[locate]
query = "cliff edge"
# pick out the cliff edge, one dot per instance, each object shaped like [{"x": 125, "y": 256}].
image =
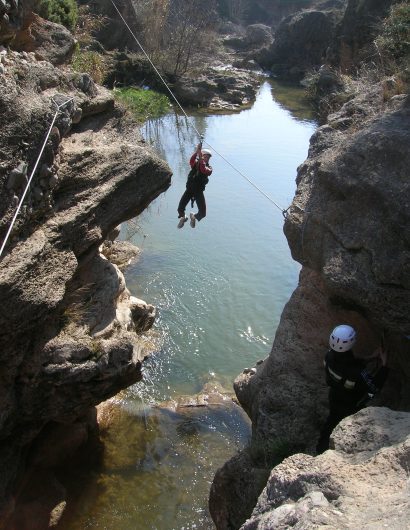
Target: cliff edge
[{"x": 68, "y": 325}]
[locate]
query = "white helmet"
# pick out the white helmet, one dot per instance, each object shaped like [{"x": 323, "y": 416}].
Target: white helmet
[
  {"x": 342, "y": 338},
  {"x": 206, "y": 152}
]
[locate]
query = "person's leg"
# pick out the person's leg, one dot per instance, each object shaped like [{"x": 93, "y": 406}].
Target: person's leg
[
  {"x": 337, "y": 411},
  {"x": 183, "y": 202},
  {"x": 200, "y": 201}
]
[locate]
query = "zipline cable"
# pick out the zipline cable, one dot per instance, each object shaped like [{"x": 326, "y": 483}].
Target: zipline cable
[
  {"x": 284, "y": 211},
  {"x": 155, "y": 68},
  {"x": 59, "y": 107}
]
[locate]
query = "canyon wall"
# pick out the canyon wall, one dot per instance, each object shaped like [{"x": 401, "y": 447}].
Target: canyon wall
[{"x": 69, "y": 326}]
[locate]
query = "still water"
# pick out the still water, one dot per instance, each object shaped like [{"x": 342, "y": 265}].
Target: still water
[{"x": 219, "y": 290}]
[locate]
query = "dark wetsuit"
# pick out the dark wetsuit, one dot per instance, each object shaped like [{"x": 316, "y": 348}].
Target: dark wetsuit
[
  {"x": 350, "y": 385},
  {"x": 195, "y": 186}
]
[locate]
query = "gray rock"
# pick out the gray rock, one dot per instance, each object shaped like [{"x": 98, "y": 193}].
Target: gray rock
[
  {"x": 76, "y": 117},
  {"x": 120, "y": 253},
  {"x": 143, "y": 314},
  {"x": 2, "y": 69},
  {"x": 258, "y": 35},
  {"x": 300, "y": 43},
  {"x": 18, "y": 177},
  {"x": 50, "y": 41},
  {"x": 342, "y": 489},
  {"x": 348, "y": 169},
  {"x": 85, "y": 83},
  {"x": 52, "y": 181}
]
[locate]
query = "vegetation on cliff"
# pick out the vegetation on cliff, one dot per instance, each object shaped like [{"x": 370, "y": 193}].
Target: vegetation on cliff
[
  {"x": 63, "y": 12},
  {"x": 393, "y": 43},
  {"x": 143, "y": 104}
]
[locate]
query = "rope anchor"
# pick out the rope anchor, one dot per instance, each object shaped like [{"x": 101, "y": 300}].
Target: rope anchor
[{"x": 59, "y": 107}]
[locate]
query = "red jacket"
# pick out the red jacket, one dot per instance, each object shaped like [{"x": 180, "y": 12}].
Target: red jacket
[{"x": 203, "y": 168}]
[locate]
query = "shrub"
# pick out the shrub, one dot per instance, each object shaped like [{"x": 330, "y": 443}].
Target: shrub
[
  {"x": 144, "y": 104},
  {"x": 89, "y": 62},
  {"x": 395, "y": 36},
  {"x": 63, "y": 12}
]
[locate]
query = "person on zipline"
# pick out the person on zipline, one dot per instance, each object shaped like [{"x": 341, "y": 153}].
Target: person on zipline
[{"x": 195, "y": 186}]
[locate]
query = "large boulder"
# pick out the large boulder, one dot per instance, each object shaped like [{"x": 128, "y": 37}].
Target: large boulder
[
  {"x": 300, "y": 43},
  {"x": 51, "y": 42},
  {"x": 363, "y": 483},
  {"x": 258, "y": 35}
]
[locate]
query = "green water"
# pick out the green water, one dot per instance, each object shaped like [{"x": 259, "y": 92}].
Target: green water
[{"x": 219, "y": 289}]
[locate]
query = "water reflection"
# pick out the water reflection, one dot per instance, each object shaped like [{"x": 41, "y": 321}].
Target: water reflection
[{"x": 292, "y": 98}]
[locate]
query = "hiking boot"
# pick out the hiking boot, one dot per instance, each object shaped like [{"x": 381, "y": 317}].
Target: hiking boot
[
  {"x": 192, "y": 220},
  {"x": 182, "y": 221}
]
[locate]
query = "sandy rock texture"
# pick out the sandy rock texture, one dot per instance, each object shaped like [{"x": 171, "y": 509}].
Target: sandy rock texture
[
  {"x": 362, "y": 483},
  {"x": 68, "y": 325}
]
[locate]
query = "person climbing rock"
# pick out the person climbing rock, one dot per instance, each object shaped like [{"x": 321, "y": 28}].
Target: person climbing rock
[
  {"x": 195, "y": 186},
  {"x": 351, "y": 383}
]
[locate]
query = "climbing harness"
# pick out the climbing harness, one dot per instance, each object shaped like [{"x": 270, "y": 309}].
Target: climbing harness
[
  {"x": 59, "y": 107},
  {"x": 282, "y": 210}
]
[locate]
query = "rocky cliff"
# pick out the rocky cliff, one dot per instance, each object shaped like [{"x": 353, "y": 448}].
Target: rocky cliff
[
  {"x": 301, "y": 40},
  {"x": 338, "y": 32},
  {"x": 349, "y": 227},
  {"x": 69, "y": 326}
]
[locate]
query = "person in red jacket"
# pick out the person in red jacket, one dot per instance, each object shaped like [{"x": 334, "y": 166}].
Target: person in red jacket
[{"x": 195, "y": 186}]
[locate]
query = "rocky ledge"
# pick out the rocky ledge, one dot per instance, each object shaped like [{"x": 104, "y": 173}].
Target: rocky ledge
[
  {"x": 362, "y": 483},
  {"x": 69, "y": 327}
]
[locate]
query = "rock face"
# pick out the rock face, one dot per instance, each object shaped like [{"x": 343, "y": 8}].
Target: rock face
[
  {"x": 300, "y": 43},
  {"x": 358, "y": 225},
  {"x": 349, "y": 227},
  {"x": 51, "y": 42},
  {"x": 340, "y": 33},
  {"x": 113, "y": 35},
  {"x": 218, "y": 89},
  {"x": 67, "y": 333},
  {"x": 355, "y": 33},
  {"x": 361, "y": 484}
]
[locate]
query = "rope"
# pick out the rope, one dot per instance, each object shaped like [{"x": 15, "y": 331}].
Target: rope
[
  {"x": 284, "y": 211},
  {"x": 156, "y": 70},
  {"x": 32, "y": 174}
]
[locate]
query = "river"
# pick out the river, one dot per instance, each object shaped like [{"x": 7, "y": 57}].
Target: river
[{"x": 219, "y": 289}]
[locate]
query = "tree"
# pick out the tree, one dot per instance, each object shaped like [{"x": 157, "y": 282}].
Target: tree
[{"x": 188, "y": 23}]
